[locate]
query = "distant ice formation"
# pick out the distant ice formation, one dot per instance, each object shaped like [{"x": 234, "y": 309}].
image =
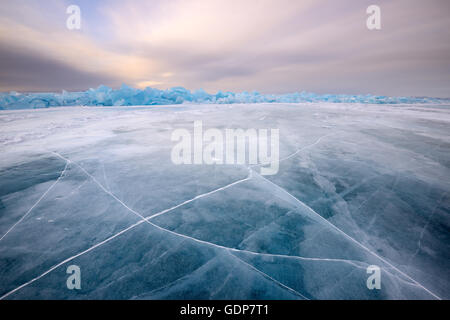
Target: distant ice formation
[{"x": 127, "y": 96}]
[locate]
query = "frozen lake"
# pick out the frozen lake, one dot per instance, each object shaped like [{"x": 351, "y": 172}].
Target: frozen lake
[{"x": 95, "y": 187}]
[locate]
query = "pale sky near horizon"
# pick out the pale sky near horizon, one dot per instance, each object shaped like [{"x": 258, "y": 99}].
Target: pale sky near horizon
[{"x": 282, "y": 46}]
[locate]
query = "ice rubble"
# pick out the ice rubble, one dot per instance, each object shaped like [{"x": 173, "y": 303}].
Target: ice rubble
[{"x": 127, "y": 96}]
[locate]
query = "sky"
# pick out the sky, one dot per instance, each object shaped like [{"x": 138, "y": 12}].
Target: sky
[{"x": 321, "y": 46}]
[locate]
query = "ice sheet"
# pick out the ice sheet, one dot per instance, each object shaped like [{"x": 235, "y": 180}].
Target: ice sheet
[{"x": 358, "y": 185}]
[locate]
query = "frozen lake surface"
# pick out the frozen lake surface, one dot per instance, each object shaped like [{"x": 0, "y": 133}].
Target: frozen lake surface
[{"x": 95, "y": 187}]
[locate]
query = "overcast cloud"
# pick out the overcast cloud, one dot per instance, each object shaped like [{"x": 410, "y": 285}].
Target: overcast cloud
[{"x": 321, "y": 46}]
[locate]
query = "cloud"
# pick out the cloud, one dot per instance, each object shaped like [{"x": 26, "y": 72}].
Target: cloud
[
  {"x": 269, "y": 46},
  {"x": 20, "y": 69}
]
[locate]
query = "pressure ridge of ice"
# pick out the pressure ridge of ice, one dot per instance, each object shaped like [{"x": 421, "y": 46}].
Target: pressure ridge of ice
[{"x": 126, "y": 96}]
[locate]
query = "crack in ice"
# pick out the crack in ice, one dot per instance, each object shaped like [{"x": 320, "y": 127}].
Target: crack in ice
[
  {"x": 143, "y": 219},
  {"x": 422, "y": 233},
  {"x": 38, "y": 201},
  {"x": 146, "y": 219},
  {"x": 292, "y": 154},
  {"x": 305, "y": 147},
  {"x": 271, "y": 279},
  {"x": 350, "y": 238}
]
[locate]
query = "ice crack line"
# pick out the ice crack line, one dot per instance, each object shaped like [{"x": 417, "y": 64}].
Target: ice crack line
[
  {"x": 39, "y": 200},
  {"x": 164, "y": 211},
  {"x": 349, "y": 237},
  {"x": 146, "y": 219},
  {"x": 272, "y": 279},
  {"x": 305, "y": 147},
  {"x": 143, "y": 219},
  {"x": 422, "y": 233},
  {"x": 293, "y": 154}
]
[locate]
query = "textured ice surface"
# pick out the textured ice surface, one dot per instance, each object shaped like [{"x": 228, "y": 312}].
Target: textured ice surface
[
  {"x": 126, "y": 96},
  {"x": 359, "y": 185}
]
